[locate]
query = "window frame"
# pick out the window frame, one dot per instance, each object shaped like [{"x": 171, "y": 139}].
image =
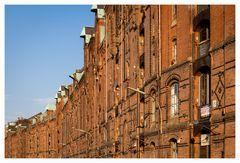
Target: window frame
[
  {"x": 174, "y": 99},
  {"x": 206, "y": 92},
  {"x": 153, "y": 108},
  {"x": 174, "y": 148},
  {"x": 201, "y": 8},
  {"x": 206, "y": 29},
  {"x": 127, "y": 69},
  {"x": 174, "y": 52}
]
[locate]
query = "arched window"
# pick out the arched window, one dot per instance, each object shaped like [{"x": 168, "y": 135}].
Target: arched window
[
  {"x": 174, "y": 148},
  {"x": 174, "y": 99},
  {"x": 153, "y": 148},
  {"x": 153, "y": 108}
]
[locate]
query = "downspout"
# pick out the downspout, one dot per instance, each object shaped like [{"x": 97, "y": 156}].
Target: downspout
[
  {"x": 159, "y": 79},
  {"x": 138, "y": 101},
  {"x": 191, "y": 148},
  {"x": 122, "y": 63},
  {"x": 150, "y": 45},
  {"x": 105, "y": 114},
  {"x": 122, "y": 60},
  {"x": 106, "y": 51},
  {"x": 224, "y": 111}
]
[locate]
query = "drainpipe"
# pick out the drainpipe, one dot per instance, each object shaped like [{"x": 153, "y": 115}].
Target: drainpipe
[
  {"x": 159, "y": 79},
  {"x": 191, "y": 82},
  {"x": 122, "y": 61},
  {"x": 223, "y": 112},
  {"x": 106, "y": 91},
  {"x": 138, "y": 102},
  {"x": 106, "y": 51}
]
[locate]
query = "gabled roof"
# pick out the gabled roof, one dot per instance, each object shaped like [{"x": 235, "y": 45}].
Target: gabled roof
[
  {"x": 35, "y": 115},
  {"x": 87, "y": 33},
  {"x": 95, "y": 7},
  {"x": 50, "y": 107}
]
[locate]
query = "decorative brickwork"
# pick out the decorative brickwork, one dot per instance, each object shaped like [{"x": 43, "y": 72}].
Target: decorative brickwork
[{"x": 158, "y": 82}]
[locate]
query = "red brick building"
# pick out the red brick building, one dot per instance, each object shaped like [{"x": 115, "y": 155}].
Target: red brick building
[{"x": 158, "y": 82}]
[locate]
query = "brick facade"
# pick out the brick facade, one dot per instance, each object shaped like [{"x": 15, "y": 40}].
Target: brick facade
[{"x": 181, "y": 56}]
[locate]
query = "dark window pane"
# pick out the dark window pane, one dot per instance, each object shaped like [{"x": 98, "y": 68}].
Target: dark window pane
[
  {"x": 202, "y": 7},
  {"x": 203, "y": 35},
  {"x": 142, "y": 61},
  {"x": 205, "y": 151}
]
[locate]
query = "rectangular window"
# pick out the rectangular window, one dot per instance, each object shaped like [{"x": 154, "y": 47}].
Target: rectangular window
[
  {"x": 204, "y": 43},
  {"x": 153, "y": 64},
  {"x": 142, "y": 29},
  {"x": 174, "y": 100},
  {"x": 116, "y": 111},
  {"x": 174, "y": 52},
  {"x": 204, "y": 34},
  {"x": 204, "y": 89},
  {"x": 153, "y": 111},
  {"x": 141, "y": 47},
  {"x": 205, "y": 151},
  {"x": 174, "y": 149},
  {"x": 142, "y": 61},
  {"x": 201, "y": 8},
  {"x": 127, "y": 69},
  {"x": 104, "y": 134}
]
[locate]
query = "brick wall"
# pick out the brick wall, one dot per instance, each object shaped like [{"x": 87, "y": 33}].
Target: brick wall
[{"x": 100, "y": 117}]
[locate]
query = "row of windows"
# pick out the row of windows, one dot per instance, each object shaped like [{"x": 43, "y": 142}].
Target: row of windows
[
  {"x": 204, "y": 98},
  {"x": 204, "y": 36},
  {"x": 174, "y": 88}
]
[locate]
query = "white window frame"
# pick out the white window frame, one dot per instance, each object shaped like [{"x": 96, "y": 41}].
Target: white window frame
[
  {"x": 174, "y": 99},
  {"x": 207, "y": 35}
]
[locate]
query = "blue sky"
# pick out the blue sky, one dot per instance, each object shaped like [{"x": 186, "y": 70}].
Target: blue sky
[{"x": 42, "y": 47}]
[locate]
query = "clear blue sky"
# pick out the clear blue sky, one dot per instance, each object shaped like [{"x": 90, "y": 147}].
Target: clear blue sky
[{"x": 42, "y": 47}]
